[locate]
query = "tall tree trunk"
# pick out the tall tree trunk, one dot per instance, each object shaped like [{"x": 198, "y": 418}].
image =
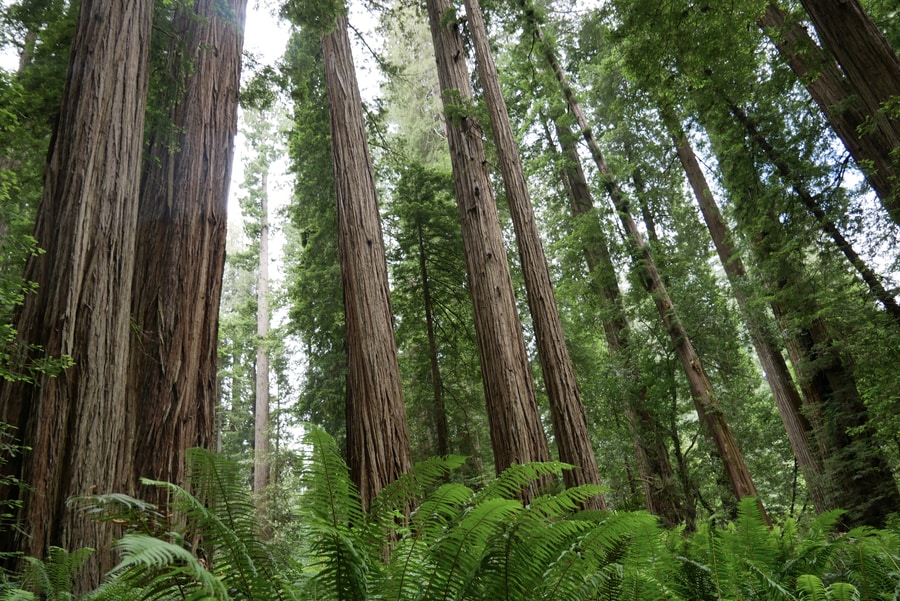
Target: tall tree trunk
[
  {"x": 566, "y": 409},
  {"x": 705, "y": 401},
  {"x": 440, "y": 413},
  {"x": 377, "y": 437},
  {"x": 661, "y": 494},
  {"x": 868, "y": 134},
  {"x": 787, "y": 399},
  {"x": 513, "y": 416},
  {"x": 180, "y": 253},
  {"x": 76, "y": 424},
  {"x": 873, "y": 72},
  {"x": 261, "y": 464}
]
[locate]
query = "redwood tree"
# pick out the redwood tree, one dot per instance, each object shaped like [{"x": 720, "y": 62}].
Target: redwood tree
[
  {"x": 77, "y": 424},
  {"x": 513, "y": 417},
  {"x": 566, "y": 409},
  {"x": 180, "y": 253},
  {"x": 377, "y": 439}
]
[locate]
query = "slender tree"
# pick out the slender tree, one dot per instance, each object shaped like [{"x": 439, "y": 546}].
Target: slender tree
[
  {"x": 513, "y": 416},
  {"x": 705, "y": 401},
  {"x": 566, "y": 409},
  {"x": 377, "y": 439},
  {"x": 180, "y": 252},
  {"x": 661, "y": 494},
  {"x": 77, "y": 425}
]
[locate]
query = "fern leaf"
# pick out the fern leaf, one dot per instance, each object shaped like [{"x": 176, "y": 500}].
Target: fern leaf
[{"x": 811, "y": 588}]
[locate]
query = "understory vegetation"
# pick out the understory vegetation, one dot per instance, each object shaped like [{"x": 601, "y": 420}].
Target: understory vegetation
[{"x": 429, "y": 536}]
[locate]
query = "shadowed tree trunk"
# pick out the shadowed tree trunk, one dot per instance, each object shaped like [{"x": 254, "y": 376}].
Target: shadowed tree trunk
[
  {"x": 566, "y": 409},
  {"x": 76, "y": 424},
  {"x": 661, "y": 493},
  {"x": 180, "y": 253},
  {"x": 513, "y": 416},
  {"x": 869, "y": 136},
  {"x": 377, "y": 438}
]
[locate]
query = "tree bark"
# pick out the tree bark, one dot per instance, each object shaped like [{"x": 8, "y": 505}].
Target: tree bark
[
  {"x": 513, "y": 416},
  {"x": 76, "y": 424},
  {"x": 784, "y": 392},
  {"x": 261, "y": 414},
  {"x": 377, "y": 438},
  {"x": 872, "y": 71},
  {"x": 868, "y": 134},
  {"x": 180, "y": 254},
  {"x": 566, "y": 409},
  {"x": 661, "y": 494}
]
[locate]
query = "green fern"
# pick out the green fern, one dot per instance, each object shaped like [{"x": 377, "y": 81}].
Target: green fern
[{"x": 50, "y": 579}]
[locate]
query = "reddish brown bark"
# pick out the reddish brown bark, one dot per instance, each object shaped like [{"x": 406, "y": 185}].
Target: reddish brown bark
[
  {"x": 181, "y": 247},
  {"x": 513, "y": 416},
  {"x": 566, "y": 409},
  {"x": 76, "y": 423},
  {"x": 377, "y": 438}
]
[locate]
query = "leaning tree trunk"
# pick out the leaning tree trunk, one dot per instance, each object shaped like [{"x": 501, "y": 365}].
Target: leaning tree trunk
[
  {"x": 705, "y": 401},
  {"x": 868, "y": 136},
  {"x": 377, "y": 438},
  {"x": 661, "y": 494},
  {"x": 566, "y": 409},
  {"x": 787, "y": 399},
  {"x": 181, "y": 247},
  {"x": 873, "y": 72},
  {"x": 76, "y": 424},
  {"x": 513, "y": 416}
]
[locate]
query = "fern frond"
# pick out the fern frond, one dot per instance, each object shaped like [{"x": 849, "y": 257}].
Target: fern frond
[
  {"x": 811, "y": 588},
  {"x": 455, "y": 556},
  {"x": 518, "y": 476},
  {"x": 163, "y": 570}
]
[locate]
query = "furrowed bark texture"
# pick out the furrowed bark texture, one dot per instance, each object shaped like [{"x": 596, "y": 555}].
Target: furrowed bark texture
[
  {"x": 76, "y": 423},
  {"x": 181, "y": 247},
  {"x": 787, "y": 399},
  {"x": 661, "y": 494},
  {"x": 873, "y": 71},
  {"x": 705, "y": 402},
  {"x": 867, "y": 133},
  {"x": 377, "y": 438},
  {"x": 566, "y": 409},
  {"x": 513, "y": 416}
]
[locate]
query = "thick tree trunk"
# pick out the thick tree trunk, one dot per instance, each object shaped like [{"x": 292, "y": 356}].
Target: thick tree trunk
[
  {"x": 76, "y": 424},
  {"x": 181, "y": 247},
  {"x": 867, "y": 133},
  {"x": 377, "y": 438},
  {"x": 661, "y": 494},
  {"x": 707, "y": 406},
  {"x": 787, "y": 399},
  {"x": 261, "y": 414},
  {"x": 516, "y": 432},
  {"x": 566, "y": 409},
  {"x": 873, "y": 72}
]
